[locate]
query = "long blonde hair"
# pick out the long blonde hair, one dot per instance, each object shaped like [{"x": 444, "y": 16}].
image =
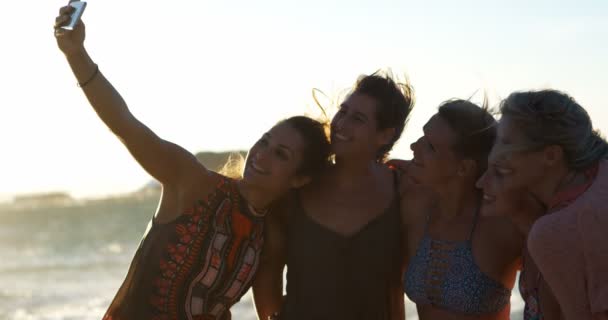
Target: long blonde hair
[{"x": 234, "y": 166}]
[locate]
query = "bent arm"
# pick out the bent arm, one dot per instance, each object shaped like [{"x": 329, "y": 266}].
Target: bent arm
[{"x": 268, "y": 283}]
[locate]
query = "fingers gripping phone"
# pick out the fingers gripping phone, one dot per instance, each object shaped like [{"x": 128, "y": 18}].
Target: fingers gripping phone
[{"x": 76, "y": 14}]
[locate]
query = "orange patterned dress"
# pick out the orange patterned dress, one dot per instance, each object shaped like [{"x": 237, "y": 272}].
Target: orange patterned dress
[{"x": 195, "y": 267}]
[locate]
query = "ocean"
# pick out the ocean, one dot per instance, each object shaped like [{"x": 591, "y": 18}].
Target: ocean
[{"x": 67, "y": 261}]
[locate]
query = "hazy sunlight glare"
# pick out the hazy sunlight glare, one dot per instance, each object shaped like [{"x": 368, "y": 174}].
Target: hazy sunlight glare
[{"x": 214, "y": 76}]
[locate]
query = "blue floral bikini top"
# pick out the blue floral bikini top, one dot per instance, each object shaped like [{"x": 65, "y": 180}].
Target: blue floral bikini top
[{"x": 444, "y": 274}]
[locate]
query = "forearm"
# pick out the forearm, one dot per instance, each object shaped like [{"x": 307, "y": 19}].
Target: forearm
[
  {"x": 267, "y": 296},
  {"x": 169, "y": 163},
  {"x": 103, "y": 97}
]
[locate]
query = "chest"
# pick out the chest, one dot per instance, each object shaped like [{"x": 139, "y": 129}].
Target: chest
[
  {"x": 209, "y": 259},
  {"x": 349, "y": 211},
  {"x": 316, "y": 250}
]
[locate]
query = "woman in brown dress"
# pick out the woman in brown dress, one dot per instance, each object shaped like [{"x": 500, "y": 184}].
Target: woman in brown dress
[{"x": 340, "y": 236}]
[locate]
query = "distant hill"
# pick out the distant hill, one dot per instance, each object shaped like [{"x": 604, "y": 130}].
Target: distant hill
[
  {"x": 211, "y": 160},
  {"x": 43, "y": 199},
  {"x": 216, "y": 160}
]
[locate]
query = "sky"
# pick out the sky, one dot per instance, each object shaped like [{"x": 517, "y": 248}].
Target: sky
[{"x": 215, "y": 75}]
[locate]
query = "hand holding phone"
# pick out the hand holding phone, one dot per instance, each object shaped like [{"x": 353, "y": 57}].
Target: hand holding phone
[
  {"x": 69, "y": 29},
  {"x": 76, "y": 14}
]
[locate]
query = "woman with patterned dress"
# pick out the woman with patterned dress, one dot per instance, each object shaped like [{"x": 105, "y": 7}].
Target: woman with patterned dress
[
  {"x": 547, "y": 146},
  {"x": 202, "y": 247},
  {"x": 461, "y": 264}
]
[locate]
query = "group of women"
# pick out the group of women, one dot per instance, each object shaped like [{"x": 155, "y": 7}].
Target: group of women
[{"x": 480, "y": 200}]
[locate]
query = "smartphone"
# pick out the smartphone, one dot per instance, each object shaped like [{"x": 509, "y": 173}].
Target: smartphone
[{"x": 78, "y": 10}]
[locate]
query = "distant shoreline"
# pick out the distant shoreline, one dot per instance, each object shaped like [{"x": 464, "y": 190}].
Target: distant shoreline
[{"x": 212, "y": 160}]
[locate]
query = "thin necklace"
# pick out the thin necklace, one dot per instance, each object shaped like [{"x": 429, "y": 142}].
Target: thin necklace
[
  {"x": 257, "y": 212},
  {"x": 254, "y": 211}
]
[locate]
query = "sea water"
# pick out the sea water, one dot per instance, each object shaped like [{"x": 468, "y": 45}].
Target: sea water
[{"x": 67, "y": 262}]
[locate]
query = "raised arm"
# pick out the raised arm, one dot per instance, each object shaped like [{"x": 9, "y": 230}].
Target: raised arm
[{"x": 169, "y": 163}]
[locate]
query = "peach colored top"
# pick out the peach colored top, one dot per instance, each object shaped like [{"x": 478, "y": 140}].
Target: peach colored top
[{"x": 570, "y": 247}]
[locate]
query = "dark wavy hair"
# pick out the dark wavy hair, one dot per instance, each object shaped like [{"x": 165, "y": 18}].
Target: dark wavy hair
[
  {"x": 316, "y": 154},
  {"x": 395, "y": 101}
]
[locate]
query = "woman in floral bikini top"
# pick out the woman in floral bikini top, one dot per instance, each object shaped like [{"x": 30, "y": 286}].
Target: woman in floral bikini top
[{"x": 201, "y": 249}]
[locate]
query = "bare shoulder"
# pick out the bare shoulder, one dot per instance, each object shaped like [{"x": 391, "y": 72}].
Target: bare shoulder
[
  {"x": 416, "y": 204},
  {"x": 200, "y": 184},
  {"x": 503, "y": 230},
  {"x": 178, "y": 198},
  {"x": 281, "y": 209},
  {"x": 275, "y": 230},
  {"x": 416, "y": 201}
]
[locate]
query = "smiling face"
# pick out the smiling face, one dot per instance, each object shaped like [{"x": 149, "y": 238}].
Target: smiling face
[
  {"x": 522, "y": 165},
  {"x": 273, "y": 161},
  {"x": 354, "y": 130},
  {"x": 510, "y": 168},
  {"x": 499, "y": 200},
  {"x": 435, "y": 161}
]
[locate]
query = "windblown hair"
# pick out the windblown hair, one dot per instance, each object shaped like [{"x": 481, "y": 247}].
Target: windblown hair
[
  {"x": 551, "y": 117},
  {"x": 394, "y": 103},
  {"x": 475, "y": 128}
]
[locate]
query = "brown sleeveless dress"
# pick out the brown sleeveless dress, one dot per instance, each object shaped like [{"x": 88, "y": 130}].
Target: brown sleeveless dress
[
  {"x": 332, "y": 277},
  {"x": 195, "y": 267}
]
